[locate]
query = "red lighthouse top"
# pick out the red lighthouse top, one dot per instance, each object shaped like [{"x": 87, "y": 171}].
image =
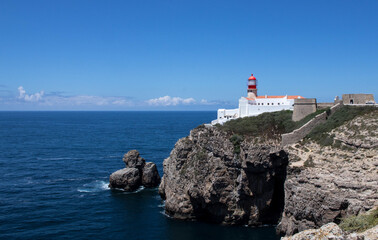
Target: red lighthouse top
[{"x": 252, "y": 77}]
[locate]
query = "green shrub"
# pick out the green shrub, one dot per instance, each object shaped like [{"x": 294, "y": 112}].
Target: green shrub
[
  {"x": 346, "y": 113},
  {"x": 236, "y": 140},
  {"x": 361, "y": 222}
]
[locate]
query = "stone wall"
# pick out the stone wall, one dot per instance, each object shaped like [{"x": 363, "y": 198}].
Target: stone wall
[
  {"x": 358, "y": 98},
  {"x": 324, "y": 105},
  {"x": 301, "y": 132},
  {"x": 303, "y": 107}
]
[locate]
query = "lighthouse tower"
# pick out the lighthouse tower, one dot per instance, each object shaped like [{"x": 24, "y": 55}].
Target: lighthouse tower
[{"x": 252, "y": 89}]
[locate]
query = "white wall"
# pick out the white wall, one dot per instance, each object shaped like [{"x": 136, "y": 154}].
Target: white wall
[{"x": 254, "y": 108}]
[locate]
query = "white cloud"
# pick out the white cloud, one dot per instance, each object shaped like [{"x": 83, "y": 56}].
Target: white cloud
[
  {"x": 205, "y": 102},
  {"x": 61, "y": 100},
  {"x": 170, "y": 101},
  {"x": 54, "y": 99},
  {"x": 29, "y": 98},
  {"x": 85, "y": 100}
]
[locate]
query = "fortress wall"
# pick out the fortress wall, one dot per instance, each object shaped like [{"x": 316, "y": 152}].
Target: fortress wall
[
  {"x": 357, "y": 98},
  {"x": 303, "y": 107},
  {"x": 324, "y": 105},
  {"x": 301, "y": 132},
  {"x": 335, "y": 108}
]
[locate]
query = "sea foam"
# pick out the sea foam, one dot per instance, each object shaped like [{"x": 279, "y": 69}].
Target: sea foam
[{"x": 96, "y": 186}]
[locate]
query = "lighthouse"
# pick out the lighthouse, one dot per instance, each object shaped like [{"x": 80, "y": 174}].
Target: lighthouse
[
  {"x": 252, "y": 89},
  {"x": 253, "y": 105}
]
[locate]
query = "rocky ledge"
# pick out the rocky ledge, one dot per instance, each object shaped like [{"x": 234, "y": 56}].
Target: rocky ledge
[
  {"x": 333, "y": 231},
  {"x": 214, "y": 176},
  {"x": 137, "y": 173}
]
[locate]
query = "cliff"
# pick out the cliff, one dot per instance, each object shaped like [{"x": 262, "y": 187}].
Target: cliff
[
  {"x": 332, "y": 178},
  {"x": 241, "y": 174},
  {"x": 214, "y": 176}
]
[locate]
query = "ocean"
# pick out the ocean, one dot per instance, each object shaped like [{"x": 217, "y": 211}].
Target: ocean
[{"x": 54, "y": 170}]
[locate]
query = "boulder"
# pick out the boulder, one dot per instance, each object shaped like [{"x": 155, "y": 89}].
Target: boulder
[
  {"x": 132, "y": 159},
  {"x": 150, "y": 175},
  {"x": 136, "y": 173},
  {"x": 128, "y": 179}
]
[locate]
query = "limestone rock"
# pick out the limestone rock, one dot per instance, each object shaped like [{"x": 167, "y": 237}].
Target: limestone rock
[
  {"x": 132, "y": 159},
  {"x": 136, "y": 173},
  {"x": 324, "y": 184},
  {"x": 150, "y": 175},
  {"x": 370, "y": 234},
  {"x": 205, "y": 179},
  {"x": 334, "y": 232},
  {"x": 127, "y": 178},
  {"x": 328, "y": 231}
]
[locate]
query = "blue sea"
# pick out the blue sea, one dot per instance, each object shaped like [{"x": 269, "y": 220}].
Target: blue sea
[{"x": 54, "y": 169}]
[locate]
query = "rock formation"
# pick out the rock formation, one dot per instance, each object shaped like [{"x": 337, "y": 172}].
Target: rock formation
[
  {"x": 332, "y": 231},
  {"x": 326, "y": 183},
  {"x": 126, "y": 178},
  {"x": 137, "y": 173},
  {"x": 213, "y": 176}
]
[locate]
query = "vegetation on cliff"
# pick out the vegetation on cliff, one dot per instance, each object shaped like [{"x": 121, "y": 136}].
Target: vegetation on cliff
[
  {"x": 267, "y": 125},
  {"x": 360, "y": 222},
  {"x": 320, "y": 134}
]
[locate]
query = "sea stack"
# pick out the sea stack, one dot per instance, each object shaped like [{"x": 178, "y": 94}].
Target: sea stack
[{"x": 136, "y": 173}]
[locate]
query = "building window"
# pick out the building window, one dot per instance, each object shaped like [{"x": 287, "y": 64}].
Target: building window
[
  {"x": 262, "y": 103},
  {"x": 268, "y": 103},
  {"x": 278, "y": 103},
  {"x": 272, "y": 103}
]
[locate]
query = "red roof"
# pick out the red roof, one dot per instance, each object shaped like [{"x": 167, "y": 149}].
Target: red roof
[
  {"x": 251, "y": 77},
  {"x": 288, "y": 97}
]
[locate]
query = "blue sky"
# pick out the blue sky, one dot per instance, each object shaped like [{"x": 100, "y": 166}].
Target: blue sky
[{"x": 182, "y": 55}]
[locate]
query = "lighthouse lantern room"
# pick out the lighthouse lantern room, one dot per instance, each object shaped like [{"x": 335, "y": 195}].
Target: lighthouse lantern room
[{"x": 252, "y": 87}]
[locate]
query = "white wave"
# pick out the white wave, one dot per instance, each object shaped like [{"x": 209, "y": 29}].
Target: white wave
[
  {"x": 141, "y": 188},
  {"x": 165, "y": 214},
  {"x": 162, "y": 205},
  {"x": 95, "y": 186}
]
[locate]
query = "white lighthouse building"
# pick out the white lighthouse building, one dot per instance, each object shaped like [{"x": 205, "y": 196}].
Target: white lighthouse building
[{"x": 253, "y": 105}]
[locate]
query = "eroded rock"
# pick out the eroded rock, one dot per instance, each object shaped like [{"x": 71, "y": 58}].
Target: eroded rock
[
  {"x": 136, "y": 173},
  {"x": 150, "y": 175},
  {"x": 127, "y": 178},
  {"x": 132, "y": 159},
  {"x": 327, "y": 183},
  {"x": 205, "y": 179},
  {"x": 334, "y": 232}
]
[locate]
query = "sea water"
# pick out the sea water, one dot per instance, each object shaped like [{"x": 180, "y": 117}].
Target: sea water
[{"x": 54, "y": 169}]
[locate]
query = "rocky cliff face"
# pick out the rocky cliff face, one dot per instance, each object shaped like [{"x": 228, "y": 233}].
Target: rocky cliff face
[
  {"x": 215, "y": 176},
  {"x": 211, "y": 175},
  {"x": 325, "y": 184}
]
